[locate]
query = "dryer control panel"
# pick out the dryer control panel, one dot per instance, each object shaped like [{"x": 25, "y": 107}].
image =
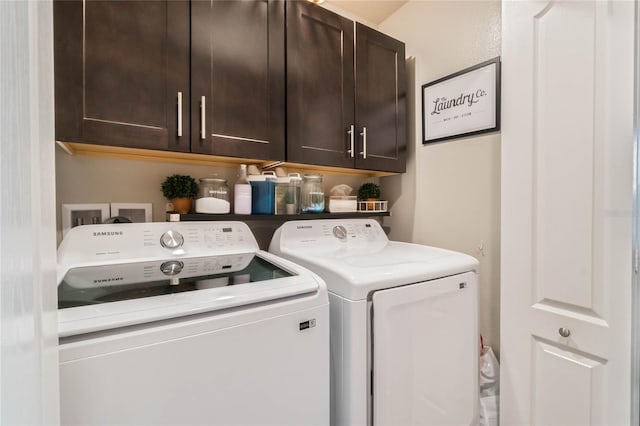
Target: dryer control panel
[{"x": 330, "y": 233}]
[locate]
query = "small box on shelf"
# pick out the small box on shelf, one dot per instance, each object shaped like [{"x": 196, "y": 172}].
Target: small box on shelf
[
  {"x": 173, "y": 217},
  {"x": 341, "y": 204},
  {"x": 371, "y": 206}
]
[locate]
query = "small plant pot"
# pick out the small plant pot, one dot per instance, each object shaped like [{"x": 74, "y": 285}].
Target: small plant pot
[{"x": 182, "y": 205}]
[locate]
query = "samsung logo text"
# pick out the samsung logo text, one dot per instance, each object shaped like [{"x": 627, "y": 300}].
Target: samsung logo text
[
  {"x": 108, "y": 280},
  {"x": 107, "y": 233}
]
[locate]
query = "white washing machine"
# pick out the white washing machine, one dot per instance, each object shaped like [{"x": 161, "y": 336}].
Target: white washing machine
[
  {"x": 404, "y": 323},
  {"x": 188, "y": 323}
]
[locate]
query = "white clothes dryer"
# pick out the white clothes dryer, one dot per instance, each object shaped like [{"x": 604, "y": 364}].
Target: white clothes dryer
[
  {"x": 188, "y": 324},
  {"x": 404, "y": 323}
]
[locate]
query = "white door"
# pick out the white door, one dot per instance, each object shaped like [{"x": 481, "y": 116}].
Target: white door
[
  {"x": 28, "y": 297},
  {"x": 567, "y": 142},
  {"x": 425, "y": 353}
]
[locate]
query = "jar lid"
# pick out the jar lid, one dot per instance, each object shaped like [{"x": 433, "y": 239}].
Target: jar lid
[
  {"x": 261, "y": 178},
  {"x": 213, "y": 179},
  {"x": 292, "y": 177},
  {"x": 312, "y": 177}
]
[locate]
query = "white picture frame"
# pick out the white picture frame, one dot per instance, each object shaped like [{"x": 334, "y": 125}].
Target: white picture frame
[
  {"x": 135, "y": 212},
  {"x": 83, "y": 214},
  {"x": 462, "y": 104}
]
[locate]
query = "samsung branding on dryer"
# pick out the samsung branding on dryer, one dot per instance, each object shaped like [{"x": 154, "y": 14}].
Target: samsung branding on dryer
[
  {"x": 107, "y": 233},
  {"x": 108, "y": 280}
]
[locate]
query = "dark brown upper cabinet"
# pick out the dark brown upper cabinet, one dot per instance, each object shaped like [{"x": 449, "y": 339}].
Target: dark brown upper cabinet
[
  {"x": 346, "y": 106},
  {"x": 209, "y": 77},
  {"x": 238, "y": 78},
  {"x": 381, "y": 98},
  {"x": 122, "y": 73},
  {"x": 200, "y": 76},
  {"x": 320, "y": 93}
]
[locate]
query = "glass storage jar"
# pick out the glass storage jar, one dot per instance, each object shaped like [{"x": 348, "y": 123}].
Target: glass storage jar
[
  {"x": 312, "y": 194},
  {"x": 288, "y": 194},
  {"x": 213, "y": 196}
]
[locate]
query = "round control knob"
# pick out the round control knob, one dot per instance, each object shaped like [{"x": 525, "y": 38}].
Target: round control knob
[
  {"x": 171, "y": 239},
  {"x": 340, "y": 232},
  {"x": 172, "y": 267}
]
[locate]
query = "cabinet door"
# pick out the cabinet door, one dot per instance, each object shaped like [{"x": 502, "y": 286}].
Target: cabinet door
[
  {"x": 119, "y": 67},
  {"x": 319, "y": 86},
  {"x": 237, "y": 78},
  {"x": 381, "y": 92}
]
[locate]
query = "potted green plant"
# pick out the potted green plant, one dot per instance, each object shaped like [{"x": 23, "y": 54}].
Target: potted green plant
[
  {"x": 369, "y": 191},
  {"x": 180, "y": 189}
]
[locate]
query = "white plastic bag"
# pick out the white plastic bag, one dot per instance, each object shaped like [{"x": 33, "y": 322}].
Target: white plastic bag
[
  {"x": 489, "y": 387},
  {"x": 489, "y": 373}
]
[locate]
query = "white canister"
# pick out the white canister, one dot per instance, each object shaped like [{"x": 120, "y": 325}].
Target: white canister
[{"x": 242, "y": 193}]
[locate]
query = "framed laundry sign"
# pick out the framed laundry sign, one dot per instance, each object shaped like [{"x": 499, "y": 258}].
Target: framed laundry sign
[{"x": 462, "y": 104}]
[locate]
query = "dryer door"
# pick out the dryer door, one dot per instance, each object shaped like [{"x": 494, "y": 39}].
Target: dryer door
[{"x": 426, "y": 353}]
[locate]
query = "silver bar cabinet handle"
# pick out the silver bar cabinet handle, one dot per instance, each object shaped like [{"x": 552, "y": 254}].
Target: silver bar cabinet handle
[
  {"x": 364, "y": 142},
  {"x": 203, "y": 114},
  {"x": 179, "y": 114},
  {"x": 351, "y": 132}
]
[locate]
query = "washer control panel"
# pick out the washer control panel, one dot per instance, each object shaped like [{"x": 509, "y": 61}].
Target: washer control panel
[{"x": 130, "y": 241}]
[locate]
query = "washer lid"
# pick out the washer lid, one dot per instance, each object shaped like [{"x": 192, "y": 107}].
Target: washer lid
[
  {"x": 95, "y": 298},
  {"x": 355, "y": 258}
]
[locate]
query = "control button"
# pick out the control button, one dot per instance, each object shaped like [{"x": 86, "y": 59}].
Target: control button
[
  {"x": 172, "y": 267},
  {"x": 171, "y": 239},
  {"x": 340, "y": 232}
]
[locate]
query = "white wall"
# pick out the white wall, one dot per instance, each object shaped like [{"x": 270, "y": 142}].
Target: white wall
[
  {"x": 88, "y": 179},
  {"x": 450, "y": 195}
]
